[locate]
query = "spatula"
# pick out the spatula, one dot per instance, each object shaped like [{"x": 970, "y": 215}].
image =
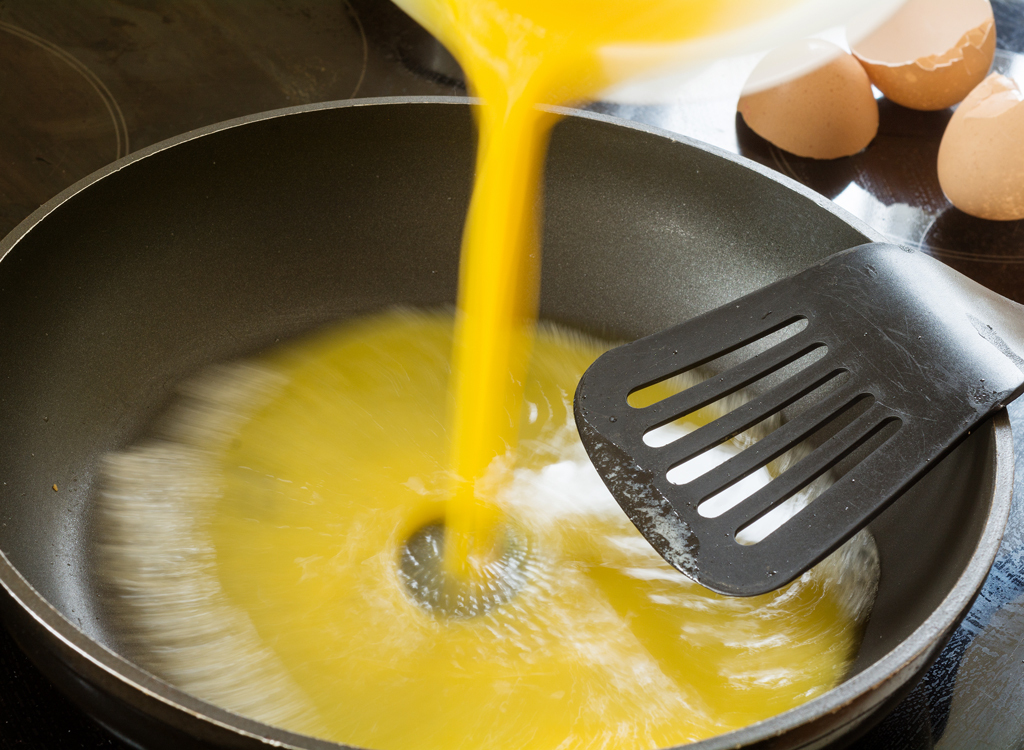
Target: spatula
[{"x": 904, "y": 357}]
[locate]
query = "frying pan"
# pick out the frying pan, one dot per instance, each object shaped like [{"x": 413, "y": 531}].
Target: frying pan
[{"x": 223, "y": 241}]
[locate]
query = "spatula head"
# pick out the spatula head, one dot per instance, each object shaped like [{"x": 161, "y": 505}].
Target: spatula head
[{"x": 893, "y": 357}]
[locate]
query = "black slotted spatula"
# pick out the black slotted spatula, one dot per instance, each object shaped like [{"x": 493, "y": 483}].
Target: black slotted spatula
[{"x": 924, "y": 351}]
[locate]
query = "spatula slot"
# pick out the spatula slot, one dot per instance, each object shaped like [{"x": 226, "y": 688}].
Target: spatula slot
[
  {"x": 746, "y": 416},
  {"x": 687, "y": 422},
  {"x": 773, "y": 519},
  {"x": 713, "y": 491},
  {"x": 745, "y": 376},
  {"x": 809, "y": 467},
  {"x": 766, "y": 459},
  {"x": 694, "y": 373},
  {"x": 798, "y": 487}
]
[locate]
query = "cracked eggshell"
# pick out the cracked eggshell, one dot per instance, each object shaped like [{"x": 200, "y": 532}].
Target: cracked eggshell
[
  {"x": 826, "y": 113},
  {"x": 981, "y": 158},
  {"x": 931, "y": 53}
]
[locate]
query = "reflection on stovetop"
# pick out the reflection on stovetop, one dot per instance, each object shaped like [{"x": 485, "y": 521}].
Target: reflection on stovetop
[
  {"x": 892, "y": 185},
  {"x": 83, "y": 82},
  {"x": 90, "y": 78}
]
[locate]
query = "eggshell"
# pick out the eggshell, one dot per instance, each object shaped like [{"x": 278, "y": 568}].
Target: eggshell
[
  {"x": 981, "y": 158},
  {"x": 824, "y": 114},
  {"x": 931, "y": 53}
]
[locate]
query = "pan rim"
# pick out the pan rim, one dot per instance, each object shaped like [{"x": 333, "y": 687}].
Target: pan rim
[
  {"x": 100, "y": 665},
  {"x": 15, "y": 235}
]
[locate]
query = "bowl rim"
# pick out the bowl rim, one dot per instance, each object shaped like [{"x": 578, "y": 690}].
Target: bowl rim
[{"x": 105, "y": 668}]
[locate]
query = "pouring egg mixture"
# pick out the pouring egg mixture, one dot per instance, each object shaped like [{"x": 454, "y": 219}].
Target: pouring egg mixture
[{"x": 389, "y": 535}]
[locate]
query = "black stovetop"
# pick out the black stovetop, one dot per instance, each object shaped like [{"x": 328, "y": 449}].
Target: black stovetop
[{"x": 84, "y": 82}]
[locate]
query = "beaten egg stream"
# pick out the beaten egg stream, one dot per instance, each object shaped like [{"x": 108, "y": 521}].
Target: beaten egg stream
[
  {"x": 254, "y": 548},
  {"x": 518, "y": 54},
  {"x": 275, "y": 550}
]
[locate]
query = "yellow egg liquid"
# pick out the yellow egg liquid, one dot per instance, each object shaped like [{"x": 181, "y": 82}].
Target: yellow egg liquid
[
  {"x": 257, "y": 548},
  {"x": 605, "y": 646},
  {"x": 517, "y": 54}
]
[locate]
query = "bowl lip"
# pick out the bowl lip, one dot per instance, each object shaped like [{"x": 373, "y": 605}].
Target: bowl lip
[{"x": 101, "y": 665}]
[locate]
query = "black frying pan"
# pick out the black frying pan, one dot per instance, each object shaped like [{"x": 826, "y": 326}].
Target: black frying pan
[{"x": 219, "y": 243}]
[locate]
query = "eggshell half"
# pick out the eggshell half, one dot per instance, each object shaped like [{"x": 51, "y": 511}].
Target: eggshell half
[
  {"x": 931, "y": 53},
  {"x": 824, "y": 114},
  {"x": 981, "y": 158}
]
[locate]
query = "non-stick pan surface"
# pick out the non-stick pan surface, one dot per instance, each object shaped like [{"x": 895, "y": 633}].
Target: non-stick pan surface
[{"x": 222, "y": 242}]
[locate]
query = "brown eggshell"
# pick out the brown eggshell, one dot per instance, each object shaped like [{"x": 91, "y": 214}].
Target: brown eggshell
[
  {"x": 981, "y": 158},
  {"x": 827, "y": 113},
  {"x": 931, "y": 53}
]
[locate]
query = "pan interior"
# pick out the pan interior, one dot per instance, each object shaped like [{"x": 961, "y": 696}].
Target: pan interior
[{"x": 226, "y": 244}]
